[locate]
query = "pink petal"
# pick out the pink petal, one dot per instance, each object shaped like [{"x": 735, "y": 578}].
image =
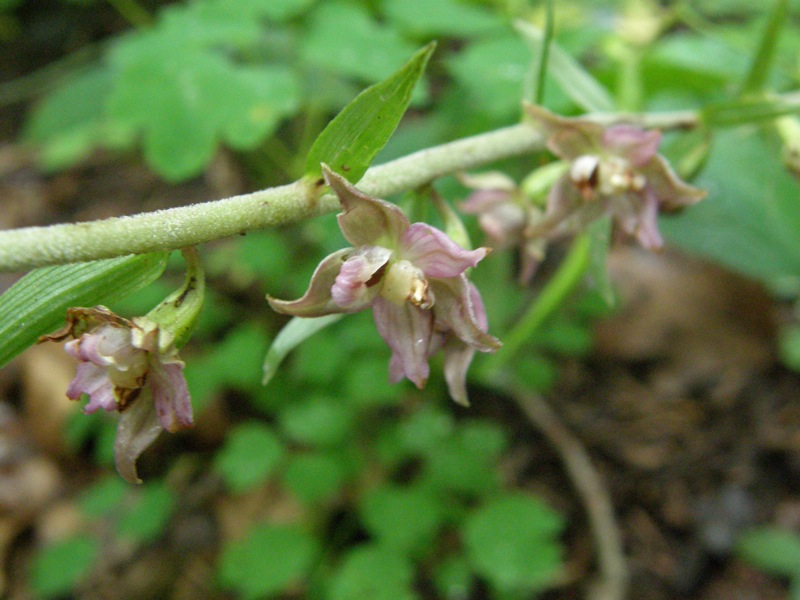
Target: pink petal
[
  {"x": 459, "y": 309},
  {"x": 636, "y": 145},
  {"x": 317, "y": 301},
  {"x": 356, "y": 283},
  {"x": 366, "y": 221},
  {"x": 483, "y": 200},
  {"x": 647, "y": 227},
  {"x": 458, "y": 355},
  {"x": 94, "y": 382},
  {"x": 137, "y": 429},
  {"x": 170, "y": 395},
  {"x": 407, "y": 330},
  {"x": 435, "y": 253},
  {"x": 563, "y": 201}
]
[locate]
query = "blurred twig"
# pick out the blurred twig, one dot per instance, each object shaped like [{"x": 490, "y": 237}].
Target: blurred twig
[{"x": 612, "y": 581}]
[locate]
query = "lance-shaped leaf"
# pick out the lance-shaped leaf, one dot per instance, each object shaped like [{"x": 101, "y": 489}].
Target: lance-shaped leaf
[
  {"x": 37, "y": 303},
  {"x": 765, "y": 54},
  {"x": 295, "y": 332},
  {"x": 355, "y": 136}
]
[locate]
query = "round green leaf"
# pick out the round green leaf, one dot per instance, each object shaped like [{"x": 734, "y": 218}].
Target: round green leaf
[
  {"x": 373, "y": 572},
  {"x": 511, "y": 541},
  {"x": 251, "y": 453},
  {"x": 405, "y": 518},
  {"x": 772, "y": 549},
  {"x": 268, "y": 561},
  {"x": 315, "y": 477},
  {"x": 317, "y": 421},
  {"x": 58, "y": 568}
]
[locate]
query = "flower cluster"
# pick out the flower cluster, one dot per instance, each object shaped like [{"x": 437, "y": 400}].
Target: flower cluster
[{"x": 413, "y": 278}]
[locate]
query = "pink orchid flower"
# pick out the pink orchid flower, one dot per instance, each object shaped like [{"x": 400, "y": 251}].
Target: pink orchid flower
[
  {"x": 412, "y": 276},
  {"x": 615, "y": 171},
  {"x": 130, "y": 367}
]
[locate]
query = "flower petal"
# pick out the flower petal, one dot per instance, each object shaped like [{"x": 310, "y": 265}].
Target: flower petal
[
  {"x": 457, "y": 358},
  {"x": 138, "y": 428},
  {"x": 636, "y": 145},
  {"x": 356, "y": 283},
  {"x": 459, "y": 309},
  {"x": 563, "y": 201},
  {"x": 647, "y": 226},
  {"x": 568, "y": 138},
  {"x": 366, "y": 221},
  {"x": 170, "y": 395},
  {"x": 672, "y": 192},
  {"x": 94, "y": 382},
  {"x": 407, "y": 330},
  {"x": 317, "y": 301},
  {"x": 435, "y": 253}
]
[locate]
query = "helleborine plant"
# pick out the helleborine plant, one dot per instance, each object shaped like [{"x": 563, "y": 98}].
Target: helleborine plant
[
  {"x": 412, "y": 276},
  {"x": 132, "y": 366},
  {"x": 614, "y": 171}
]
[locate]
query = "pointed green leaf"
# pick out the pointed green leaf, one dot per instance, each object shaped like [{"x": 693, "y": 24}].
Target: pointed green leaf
[
  {"x": 355, "y": 136},
  {"x": 295, "y": 332},
  {"x": 37, "y": 303},
  {"x": 765, "y": 55},
  {"x": 575, "y": 81}
]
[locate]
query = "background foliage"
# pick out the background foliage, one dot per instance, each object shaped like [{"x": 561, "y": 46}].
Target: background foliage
[{"x": 362, "y": 489}]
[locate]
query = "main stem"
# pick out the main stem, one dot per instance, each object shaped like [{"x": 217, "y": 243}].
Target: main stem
[{"x": 31, "y": 247}]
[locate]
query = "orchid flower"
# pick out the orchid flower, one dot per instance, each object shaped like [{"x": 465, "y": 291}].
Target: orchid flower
[
  {"x": 412, "y": 276},
  {"x": 615, "y": 171},
  {"x": 130, "y": 367},
  {"x": 505, "y": 215}
]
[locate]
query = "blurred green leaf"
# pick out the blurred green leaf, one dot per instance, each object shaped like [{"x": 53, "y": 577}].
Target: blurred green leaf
[
  {"x": 373, "y": 572},
  {"x": 314, "y": 477},
  {"x": 354, "y": 137},
  {"x": 765, "y": 55},
  {"x": 363, "y": 48},
  {"x": 251, "y": 453},
  {"x": 57, "y": 569},
  {"x": 318, "y": 421},
  {"x": 577, "y": 82},
  {"x": 186, "y": 99},
  {"x": 492, "y": 73},
  {"x": 269, "y": 560},
  {"x": 750, "y": 219},
  {"x": 772, "y": 549},
  {"x": 512, "y": 542},
  {"x": 402, "y": 518},
  {"x": 746, "y": 111},
  {"x": 294, "y": 333},
  {"x": 454, "y": 578},
  {"x": 425, "y": 19},
  {"x": 152, "y": 505},
  {"x": 71, "y": 122},
  {"x": 597, "y": 271},
  {"x": 37, "y": 303},
  {"x": 103, "y": 497},
  {"x": 789, "y": 344}
]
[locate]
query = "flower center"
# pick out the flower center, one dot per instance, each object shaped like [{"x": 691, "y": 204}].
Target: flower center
[
  {"x": 404, "y": 282},
  {"x": 608, "y": 177}
]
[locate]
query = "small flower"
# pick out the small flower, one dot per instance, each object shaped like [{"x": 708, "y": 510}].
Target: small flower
[
  {"x": 413, "y": 278},
  {"x": 506, "y": 216},
  {"x": 130, "y": 367},
  {"x": 615, "y": 171}
]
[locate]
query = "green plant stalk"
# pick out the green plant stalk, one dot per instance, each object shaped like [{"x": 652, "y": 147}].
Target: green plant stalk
[
  {"x": 30, "y": 247},
  {"x": 552, "y": 296},
  {"x": 544, "y": 56}
]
